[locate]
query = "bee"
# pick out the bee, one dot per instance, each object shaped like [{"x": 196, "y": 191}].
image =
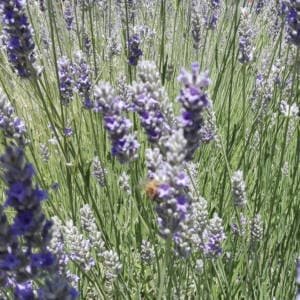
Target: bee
[{"x": 150, "y": 189}]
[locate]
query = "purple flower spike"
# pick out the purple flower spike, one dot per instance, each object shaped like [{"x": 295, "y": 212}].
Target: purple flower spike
[{"x": 194, "y": 102}]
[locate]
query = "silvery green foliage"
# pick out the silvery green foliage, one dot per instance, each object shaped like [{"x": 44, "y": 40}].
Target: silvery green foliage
[
  {"x": 147, "y": 252},
  {"x": 256, "y": 229},
  {"x": 123, "y": 182},
  {"x": 98, "y": 171},
  {"x": 89, "y": 225},
  {"x": 238, "y": 189}
]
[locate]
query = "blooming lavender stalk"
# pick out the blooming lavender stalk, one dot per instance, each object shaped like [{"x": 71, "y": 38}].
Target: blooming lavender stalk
[
  {"x": 195, "y": 101},
  {"x": 10, "y": 124},
  {"x": 25, "y": 256},
  {"x": 293, "y": 21},
  {"x": 83, "y": 79},
  {"x": 172, "y": 198},
  {"x": 66, "y": 81},
  {"x": 150, "y": 101},
  {"x": 98, "y": 171},
  {"x": 18, "y": 37},
  {"x": 213, "y": 236},
  {"x": 124, "y": 144},
  {"x": 134, "y": 52},
  {"x": 212, "y": 19},
  {"x": 246, "y": 35},
  {"x": 69, "y": 16}
]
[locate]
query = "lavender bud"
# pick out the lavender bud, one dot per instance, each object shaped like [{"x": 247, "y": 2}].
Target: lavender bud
[
  {"x": 98, "y": 171},
  {"x": 246, "y": 36},
  {"x": 147, "y": 252},
  {"x": 256, "y": 229},
  {"x": 124, "y": 184},
  {"x": 238, "y": 189}
]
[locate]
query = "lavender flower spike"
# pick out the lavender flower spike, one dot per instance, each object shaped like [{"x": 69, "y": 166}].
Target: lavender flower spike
[
  {"x": 150, "y": 101},
  {"x": 18, "y": 37},
  {"x": 134, "y": 52},
  {"x": 195, "y": 101},
  {"x": 24, "y": 254},
  {"x": 293, "y": 21},
  {"x": 124, "y": 144}
]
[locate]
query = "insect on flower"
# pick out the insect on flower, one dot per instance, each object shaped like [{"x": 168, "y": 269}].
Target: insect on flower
[{"x": 150, "y": 188}]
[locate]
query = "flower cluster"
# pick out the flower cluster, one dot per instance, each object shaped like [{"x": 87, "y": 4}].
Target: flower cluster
[
  {"x": 134, "y": 52},
  {"x": 18, "y": 37},
  {"x": 195, "y": 101},
  {"x": 293, "y": 21},
  {"x": 124, "y": 144},
  {"x": 149, "y": 99}
]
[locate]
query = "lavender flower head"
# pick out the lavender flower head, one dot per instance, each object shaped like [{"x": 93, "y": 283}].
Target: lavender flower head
[
  {"x": 195, "y": 101},
  {"x": 24, "y": 254},
  {"x": 293, "y": 21},
  {"x": 124, "y": 144},
  {"x": 149, "y": 98},
  {"x": 134, "y": 52},
  {"x": 18, "y": 37},
  {"x": 83, "y": 79},
  {"x": 173, "y": 200},
  {"x": 213, "y": 236},
  {"x": 10, "y": 124},
  {"x": 66, "y": 81}
]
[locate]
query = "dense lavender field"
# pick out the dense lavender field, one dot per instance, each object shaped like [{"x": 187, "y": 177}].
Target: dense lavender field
[{"x": 149, "y": 149}]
